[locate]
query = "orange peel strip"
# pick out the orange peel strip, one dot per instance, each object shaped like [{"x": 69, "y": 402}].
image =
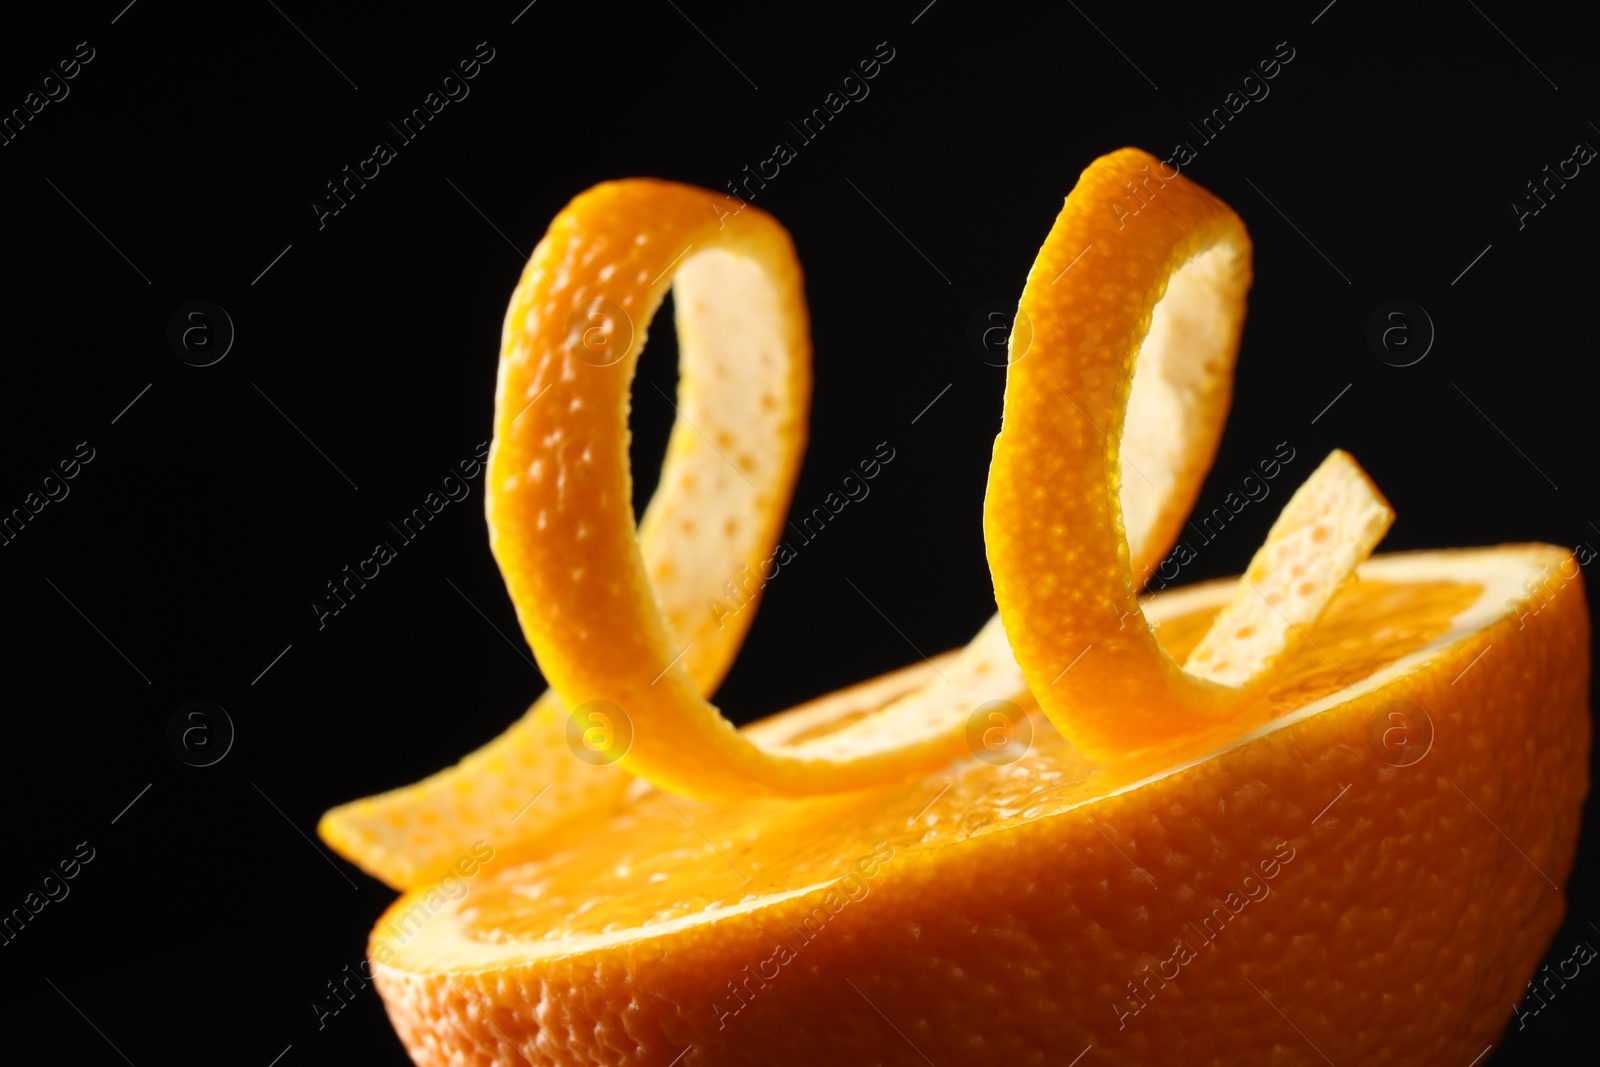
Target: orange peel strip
[
  {"x": 559, "y": 479},
  {"x": 1057, "y": 525},
  {"x": 604, "y": 604},
  {"x": 559, "y": 490},
  {"x": 1327, "y": 529},
  {"x": 559, "y": 483},
  {"x": 706, "y": 523},
  {"x": 417, "y": 834}
]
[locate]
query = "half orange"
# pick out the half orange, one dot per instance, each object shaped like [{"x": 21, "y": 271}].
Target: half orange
[{"x": 1319, "y": 814}]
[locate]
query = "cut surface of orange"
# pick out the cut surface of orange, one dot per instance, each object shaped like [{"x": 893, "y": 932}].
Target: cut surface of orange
[
  {"x": 1151, "y": 906},
  {"x": 1304, "y": 787}
]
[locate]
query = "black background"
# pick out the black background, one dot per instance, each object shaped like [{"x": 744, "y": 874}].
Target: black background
[{"x": 185, "y": 160}]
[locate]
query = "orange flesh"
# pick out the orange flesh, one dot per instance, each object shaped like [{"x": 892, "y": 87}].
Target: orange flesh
[
  {"x": 1022, "y": 905},
  {"x": 647, "y": 864}
]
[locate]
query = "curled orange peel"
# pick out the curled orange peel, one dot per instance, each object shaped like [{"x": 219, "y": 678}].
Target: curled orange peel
[
  {"x": 707, "y": 527},
  {"x": 1329, "y": 527},
  {"x": 598, "y": 617},
  {"x": 1066, "y": 522},
  {"x": 1112, "y": 419},
  {"x": 560, "y": 504},
  {"x": 1121, "y": 395}
]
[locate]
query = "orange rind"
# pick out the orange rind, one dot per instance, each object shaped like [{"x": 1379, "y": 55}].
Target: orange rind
[
  {"x": 1109, "y": 822},
  {"x": 1019, "y": 913},
  {"x": 732, "y": 458},
  {"x": 560, "y": 484}
]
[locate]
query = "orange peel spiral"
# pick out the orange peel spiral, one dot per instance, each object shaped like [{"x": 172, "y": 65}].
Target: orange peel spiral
[
  {"x": 560, "y": 488},
  {"x": 1197, "y": 737},
  {"x": 1111, "y": 422},
  {"x": 1096, "y": 465}
]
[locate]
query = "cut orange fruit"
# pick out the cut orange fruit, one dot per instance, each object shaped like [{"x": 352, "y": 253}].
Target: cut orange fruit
[
  {"x": 1107, "y": 824},
  {"x": 1162, "y": 908}
]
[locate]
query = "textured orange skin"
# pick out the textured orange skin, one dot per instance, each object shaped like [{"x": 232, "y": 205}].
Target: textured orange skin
[
  {"x": 1052, "y": 521},
  {"x": 580, "y": 585},
  {"x": 570, "y": 557},
  {"x": 1401, "y": 932},
  {"x": 414, "y": 835}
]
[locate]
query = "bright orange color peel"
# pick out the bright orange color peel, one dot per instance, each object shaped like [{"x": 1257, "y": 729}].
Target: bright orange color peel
[
  {"x": 1053, "y": 527},
  {"x": 632, "y": 627},
  {"x": 1007, "y": 904},
  {"x": 1020, "y": 902},
  {"x": 1328, "y": 528},
  {"x": 560, "y": 488},
  {"x": 725, "y": 486}
]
